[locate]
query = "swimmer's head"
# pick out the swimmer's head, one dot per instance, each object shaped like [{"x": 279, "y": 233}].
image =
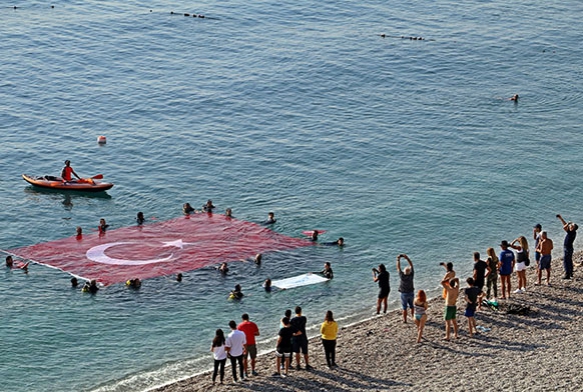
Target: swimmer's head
[
  {"x": 79, "y": 230},
  {"x": 179, "y": 277},
  {"x": 258, "y": 258},
  {"x": 9, "y": 261},
  {"x": 340, "y": 241}
]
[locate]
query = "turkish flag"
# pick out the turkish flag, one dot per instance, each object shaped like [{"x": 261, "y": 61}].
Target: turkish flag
[{"x": 164, "y": 248}]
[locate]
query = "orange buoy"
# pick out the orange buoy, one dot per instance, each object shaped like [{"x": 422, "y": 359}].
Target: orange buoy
[{"x": 101, "y": 139}]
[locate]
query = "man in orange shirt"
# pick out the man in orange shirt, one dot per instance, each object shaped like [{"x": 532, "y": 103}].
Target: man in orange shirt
[
  {"x": 250, "y": 329},
  {"x": 67, "y": 171},
  {"x": 544, "y": 247}
]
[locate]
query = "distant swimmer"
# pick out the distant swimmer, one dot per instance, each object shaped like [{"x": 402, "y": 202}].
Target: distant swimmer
[
  {"x": 327, "y": 271},
  {"x": 270, "y": 219},
  {"x": 187, "y": 208},
  {"x": 314, "y": 236},
  {"x": 223, "y": 268},
  {"x": 236, "y": 293},
  {"x": 140, "y": 218},
  {"x": 267, "y": 285},
  {"x": 338, "y": 242},
  {"x": 208, "y": 207},
  {"x": 179, "y": 277},
  {"x": 79, "y": 232},
  {"x": 258, "y": 258},
  {"x": 229, "y": 213},
  {"x": 10, "y": 263},
  {"x": 74, "y": 282},
  {"x": 102, "y": 225},
  {"x": 514, "y": 98},
  {"x": 90, "y": 287},
  {"x": 134, "y": 283},
  {"x": 67, "y": 171}
]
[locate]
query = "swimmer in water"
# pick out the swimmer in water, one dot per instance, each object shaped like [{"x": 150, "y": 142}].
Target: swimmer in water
[
  {"x": 179, "y": 277},
  {"x": 514, "y": 98},
  {"x": 74, "y": 282},
  {"x": 187, "y": 209},
  {"x": 140, "y": 218},
  {"x": 327, "y": 271},
  {"x": 270, "y": 219},
  {"x": 9, "y": 262},
  {"x": 79, "y": 232},
  {"x": 223, "y": 269},
  {"x": 258, "y": 258},
  {"x": 102, "y": 225},
  {"x": 134, "y": 283},
  {"x": 208, "y": 207},
  {"x": 314, "y": 236},
  {"x": 267, "y": 285},
  {"x": 229, "y": 213},
  {"x": 90, "y": 287},
  {"x": 236, "y": 293},
  {"x": 338, "y": 242}
]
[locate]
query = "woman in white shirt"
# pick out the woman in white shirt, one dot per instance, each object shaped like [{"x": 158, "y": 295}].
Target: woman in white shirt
[{"x": 219, "y": 354}]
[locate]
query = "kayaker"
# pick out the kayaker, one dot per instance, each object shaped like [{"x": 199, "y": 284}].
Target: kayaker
[{"x": 67, "y": 171}]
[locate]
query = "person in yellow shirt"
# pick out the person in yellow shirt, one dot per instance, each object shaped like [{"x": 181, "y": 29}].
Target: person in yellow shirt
[{"x": 329, "y": 331}]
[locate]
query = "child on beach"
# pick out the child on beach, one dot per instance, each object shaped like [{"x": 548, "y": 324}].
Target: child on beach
[
  {"x": 473, "y": 296},
  {"x": 420, "y": 305},
  {"x": 452, "y": 290}
]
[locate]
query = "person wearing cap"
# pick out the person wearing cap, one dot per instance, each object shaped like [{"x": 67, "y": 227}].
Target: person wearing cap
[
  {"x": 67, "y": 171},
  {"x": 506, "y": 267},
  {"x": 536, "y": 236},
  {"x": 571, "y": 233},
  {"x": 544, "y": 247},
  {"x": 406, "y": 287}
]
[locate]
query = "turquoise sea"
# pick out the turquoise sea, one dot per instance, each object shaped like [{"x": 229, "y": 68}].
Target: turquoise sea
[{"x": 301, "y": 108}]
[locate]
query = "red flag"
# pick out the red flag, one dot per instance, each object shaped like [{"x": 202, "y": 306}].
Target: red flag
[{"x": 163, "y": 248}]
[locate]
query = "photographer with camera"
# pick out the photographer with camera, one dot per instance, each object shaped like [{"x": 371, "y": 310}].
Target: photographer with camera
[{"x": 381, "y": 276}]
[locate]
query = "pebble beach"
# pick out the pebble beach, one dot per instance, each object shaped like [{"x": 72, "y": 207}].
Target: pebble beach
[{"x": 537, "y": 351}]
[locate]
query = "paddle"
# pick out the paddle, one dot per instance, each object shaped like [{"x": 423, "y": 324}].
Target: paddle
[{"x": 97, "y": 177}]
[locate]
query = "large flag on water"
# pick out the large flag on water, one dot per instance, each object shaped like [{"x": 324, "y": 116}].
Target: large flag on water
[{"x": 164, "y": 248}]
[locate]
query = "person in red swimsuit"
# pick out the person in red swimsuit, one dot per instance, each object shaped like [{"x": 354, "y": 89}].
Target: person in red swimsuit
[{"x": 67, "y": 171}]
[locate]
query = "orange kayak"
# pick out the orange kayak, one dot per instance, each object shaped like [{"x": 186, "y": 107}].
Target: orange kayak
[{"x": 84, "y": 184}]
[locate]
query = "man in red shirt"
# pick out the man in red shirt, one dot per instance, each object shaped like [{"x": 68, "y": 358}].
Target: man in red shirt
[
  {"x": 67, "y": 171},
  {"x": 250, "y": 329}
]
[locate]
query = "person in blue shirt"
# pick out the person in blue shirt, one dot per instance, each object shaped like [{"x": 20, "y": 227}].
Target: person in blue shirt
[{"x": 506, "y": 267}]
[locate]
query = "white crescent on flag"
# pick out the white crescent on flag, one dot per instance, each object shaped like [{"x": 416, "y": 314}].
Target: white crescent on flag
[{"x": 97, "y": 254}]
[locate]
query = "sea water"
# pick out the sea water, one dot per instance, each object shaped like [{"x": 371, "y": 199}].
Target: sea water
[{"x": 300, "y": 108}]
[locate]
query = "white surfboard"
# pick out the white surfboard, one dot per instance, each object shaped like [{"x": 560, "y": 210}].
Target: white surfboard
[{"x": 297, "y": 281}]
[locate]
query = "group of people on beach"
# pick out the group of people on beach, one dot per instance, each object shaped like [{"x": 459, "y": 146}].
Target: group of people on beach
[
  {"x": 485, "y": 275},
  {"x": 239, "y": 346}
]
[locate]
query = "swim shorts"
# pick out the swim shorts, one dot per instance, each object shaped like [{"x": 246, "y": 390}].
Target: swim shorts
[
  {"x": 450, "y": 312},
  {"x": 545, "y": 262},
  {"x": 470, "y": 311}
]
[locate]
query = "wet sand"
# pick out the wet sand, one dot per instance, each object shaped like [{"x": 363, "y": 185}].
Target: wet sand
[{"x": 540, "y": 351}]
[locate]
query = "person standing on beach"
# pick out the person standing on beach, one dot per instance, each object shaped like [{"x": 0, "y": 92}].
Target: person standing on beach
[
  {"x": 219, "y": 355},
  {"x": 449, "y": 274},
  {"x": 473, "y": 296},
  {"x": 481, "y": 271},
  {"x": 506, "y": 268},
  {"x": 536, "y": 231},
  {"x": 545, "y": 247},
  {"x": 406, "y": 286},
  {"x": 235, "y": 346},
  {"x": 329, "y": 333},
  {"x": 571, "y": 233},
  {"x": 452, "y": 292},
  {"x": 421, "y": 306},
  {"x": 300, "y": 342},
  {"x": 283, "y": 348},
  {"x": 492, "y": 278},
  {"x": 382, "y": 277},
  {"x": 250, "y": 329},
  {"x": 522, "y": 259}
]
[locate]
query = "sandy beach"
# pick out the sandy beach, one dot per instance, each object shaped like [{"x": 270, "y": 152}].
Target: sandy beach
[{"x": 535, "y": 352}]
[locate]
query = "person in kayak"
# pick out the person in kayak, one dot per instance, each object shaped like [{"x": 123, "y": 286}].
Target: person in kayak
[{"x": 67, "y": 171}]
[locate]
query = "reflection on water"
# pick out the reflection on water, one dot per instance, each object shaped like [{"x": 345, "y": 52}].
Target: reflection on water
[{"x": 66, "y": 198}]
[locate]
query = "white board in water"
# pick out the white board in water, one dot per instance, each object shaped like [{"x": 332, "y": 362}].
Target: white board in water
[{"x": 297, "y": 281}]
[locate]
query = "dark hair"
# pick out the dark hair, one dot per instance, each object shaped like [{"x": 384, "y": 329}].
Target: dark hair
[
  {"x": 288, "y": 313},
  {"x": 245, "y": 316},
  {"x": 298, "y": 310},
  {"x": 382, "y": 268},
  {"x": 329, "y": 315},
  {"x": 470, "y": 281},
  {"x": 453, "y": 283},
  {"x": 233, "y": 324},
  {"x": 477, "y": 255},
  {"x": 285, "y": 320},
  {"x": 449, "y": 266},
  {"x": 219, "y": 339}
]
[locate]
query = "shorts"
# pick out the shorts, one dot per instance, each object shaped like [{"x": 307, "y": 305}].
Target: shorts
[
  {"x": 520, "y": 266},
  {"x": 384, "y": 293},
  {"x": 450, "y": 312},
  {"x": 251, "y": 351},
  {"x": 407, "y": 300},
  {"x": 545, "y": 262},
  {"x": 470, "y": 311},
  {"x": 283, "y": 352},
  {"x": 300, "y": 344}
]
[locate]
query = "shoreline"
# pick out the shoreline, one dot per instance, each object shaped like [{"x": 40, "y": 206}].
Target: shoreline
[{"x": 519, "y": 352}]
